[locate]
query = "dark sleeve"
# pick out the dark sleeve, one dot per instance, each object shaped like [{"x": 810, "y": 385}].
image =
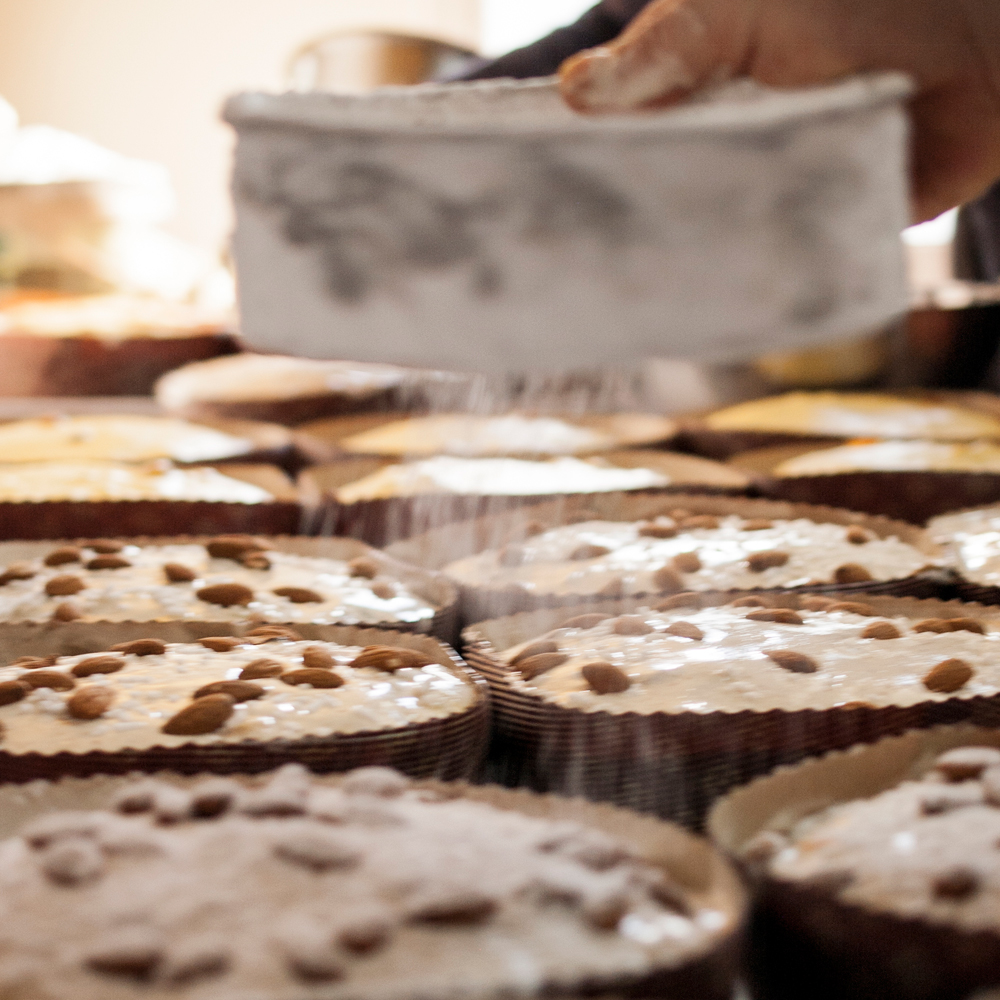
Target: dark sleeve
[
  {"x": 977, "y": 242},
  {"x": 599, "y": 25}
]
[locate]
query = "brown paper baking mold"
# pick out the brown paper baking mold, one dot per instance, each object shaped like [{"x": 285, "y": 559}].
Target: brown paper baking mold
[
  {"x": 436, "y": 549},
  {"x": 710, "y": 880},
  {"x": 383, "y": 521},
  {"x": 676, "y": 764},
  {"x": 809, "y": 943},
  {"x": 434, "y": 587},
  {"x": 448, "y": 747}
]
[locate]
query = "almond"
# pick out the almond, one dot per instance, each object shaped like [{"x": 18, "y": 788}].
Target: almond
[
  {"x": 234, "y": 546},
  {"x": 783, "y": 616},
  {"x": 54, "y": 679},
  {"x": 932, "y": 625},
  {"x": 631, "y": 625},
  {"x": 535, "y": 649},
  {"x": 797, "y": 663},
  {"x": 853, "y": 608},
  {"x": 653, "y": 530},
  {"x": 141, "y": 647},
  {"x": 66, "y": 612},
  {"x": 613, "y": 589},
  {"x": 880, "y": 630},
  {"x": 589, "y": 552},
  {"x": 667, "y": 580},
  {"x": 858, "y": 536},
  {"x": 686, "y": 630},
  {"x": 585, "y": 621},
  {"x": 605, "y": 678},
  {"x": 700, "y": 521},
  {"x": 965, "y": 763},
  {"x": 34, "y": 662},
  {"x": 389, "y": 658},
  {"x": 679, "y": 514},
  {"x": 178, "y": 573},
  {"x": 959, "y": 882},
  {"x": 386, "y": 591},
  {"x": 453, "y": 906},
  {"x": 17, "y": 571},
  {"x": 757, "y": 562},
  {"x": 64, "y": 586},
  {"x": 225, "y": 594},
  {"x": 757, "y": 524},
  {"x": 317, "y": 658},
  {"x": 686, "y": 599},
  {"x": 255, "y": 560},
  {"x": 749, "y": 602},
  {"x": 239, "y": 691},
  {"x": 317, "y": 678},
  {"x": 90, "y": 702},
  {"x": 269, "y": 632},
  {"x": 533, "y": 666},
  {"x": 945, "y": 677},
  {"x": 817, "y": 603},
  {"x": 533, "y": 528},
  {"x": 299, "y": 595},
  {"x": 11, "y": 691},
  {"x": 61, "y": 556},
  {"x": 851, "y": 573},
  {"x": 204, "y": 715},
  {"x": 108, "y": 562},
  {"x": 687, "y": 562},
  {"x": 220, "y": 643},
  {"x": 105, "y": 546},
  {"x": 98, "y": 665},
  {"x": 966, "y": 625},
  {"x": 263, "y": 667},
  {"x": 363, "y": 566}
]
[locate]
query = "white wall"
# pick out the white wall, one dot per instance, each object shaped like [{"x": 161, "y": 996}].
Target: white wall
[{"x": 147, "y": 77}]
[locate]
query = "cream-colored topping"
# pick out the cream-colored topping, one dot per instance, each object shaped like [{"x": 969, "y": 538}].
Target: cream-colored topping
[
  {"x": 855, "y": 415},
  {"x": 973, "y": 540},
  {"x": 37, "y": 482},
  {"x": 141, "y": 592},
  {"x": 889, "y": 852},
  {"x": 728, "y": 670},
  {"x": 251, "y": 377},
  {"x": 116, "y": 437},
  {"x": 814, "y": 552},
  {"x": 497, "y": 477},
  {"x": 111, "y": 317},
  {"x": 466, "y": 435},
  {"x": 150, "y": 689},
  {"x": 895, "y": 456},
  {"x": 355, "y": 894}
]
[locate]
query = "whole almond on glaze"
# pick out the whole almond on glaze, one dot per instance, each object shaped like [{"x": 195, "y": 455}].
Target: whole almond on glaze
[
  {"x": 220, "y": 643},
  {"x": 587, "y": 621},
  {"x": 317, "y": 678},
  {"x": 932, "y": 625},
  {"x": 389, "y": 658},
  {"x": 605, "y": 678},
  {"x": 317, "y": 658},
  {"x": 816, "y": 603},
  {"x": 108, "y": 562},
  {"x": 613, "y": 589},
  {"x": 299, "y": 595},
  {"x": 880, "y": 630},
  {"x": 685, "y": 599},
  {"x": 782, "y": 616},
  {"x": 686, "y": 630},
  {"x": 700, "y": 521},
  {"x": 852, "y": 573},
  {"x": 266, "y": 633},
  {"x": 54, "y": 679},
  {"x": 789, "y": 659},
  {"x": 263, "y": 667},
  {"x": 757, "y": 562},
  {"x": 204, "y": 715},
  {"x": 947, "y": 676},
  {"x": 668, "y": 580},
  {"x": 535, "y": 649},
  {"x": 34, "y": 662},
  {"x": 105, "y": 546},
  {"x": 17, "y": 571},
  {"x": 64, "y": 586},
  {"x": 853, "y": 608},
  {"x": 534, "y": 666},
  {"x": 687, "y": 562},
  {"x": 749, "y": 602},
  {"x": 255, "y": 560},
  {"x": 756, "y": 524},
  {"x": 90, "y": 702},
  {"x": 631, "y": 625},
  {"x": 97, "y": 665},
  {"x": 240, "y": 690},
  {"x": 178, "y": 573},
  {"x": 653, "y": 530},
  {"x": 141, "y": 647},
  {"x": 11, "y": 691},
  {"x": 67, "y": 611},
  {"x": 62, "y": 556},
  {"x": 363, "y": 566},
  {"x": 858, "y": 536},
  {"x": 588, "y": 551},
  {"x": 966, "y": 625},
  {"x": 234, "y": 546},
  {"x": 385, "y": 591},
  {"x": 225, "y": 594},
  {"x": 965, "y": 763}
]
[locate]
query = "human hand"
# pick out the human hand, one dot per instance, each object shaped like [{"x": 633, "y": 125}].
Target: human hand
[{"x": 951, "y": 48}]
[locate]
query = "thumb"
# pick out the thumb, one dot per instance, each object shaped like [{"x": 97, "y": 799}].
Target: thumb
[{"x": 672, "y": 48}]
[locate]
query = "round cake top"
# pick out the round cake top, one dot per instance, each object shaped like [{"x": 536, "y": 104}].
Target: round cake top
[
  {"x": 252, "y": 377},
  {"x": 747, "y": 656},
  {"x": 268, "y": 685},
  {"x": 895, "y": 456},
  {"x": 369, "y": 888},
  {"x": 926, "y": 849},
  {"x": 688, "y": 552},
  {"x": 972, "y": 539},
  {"x": 117, "y": 437},
  {"x": 97, "y": 481},
  {"x": 229, "y": 578},
  {"x": 855, "y": 414}
]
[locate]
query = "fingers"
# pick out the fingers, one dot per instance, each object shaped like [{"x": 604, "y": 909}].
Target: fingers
[{"x": 672, "y": 48}]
